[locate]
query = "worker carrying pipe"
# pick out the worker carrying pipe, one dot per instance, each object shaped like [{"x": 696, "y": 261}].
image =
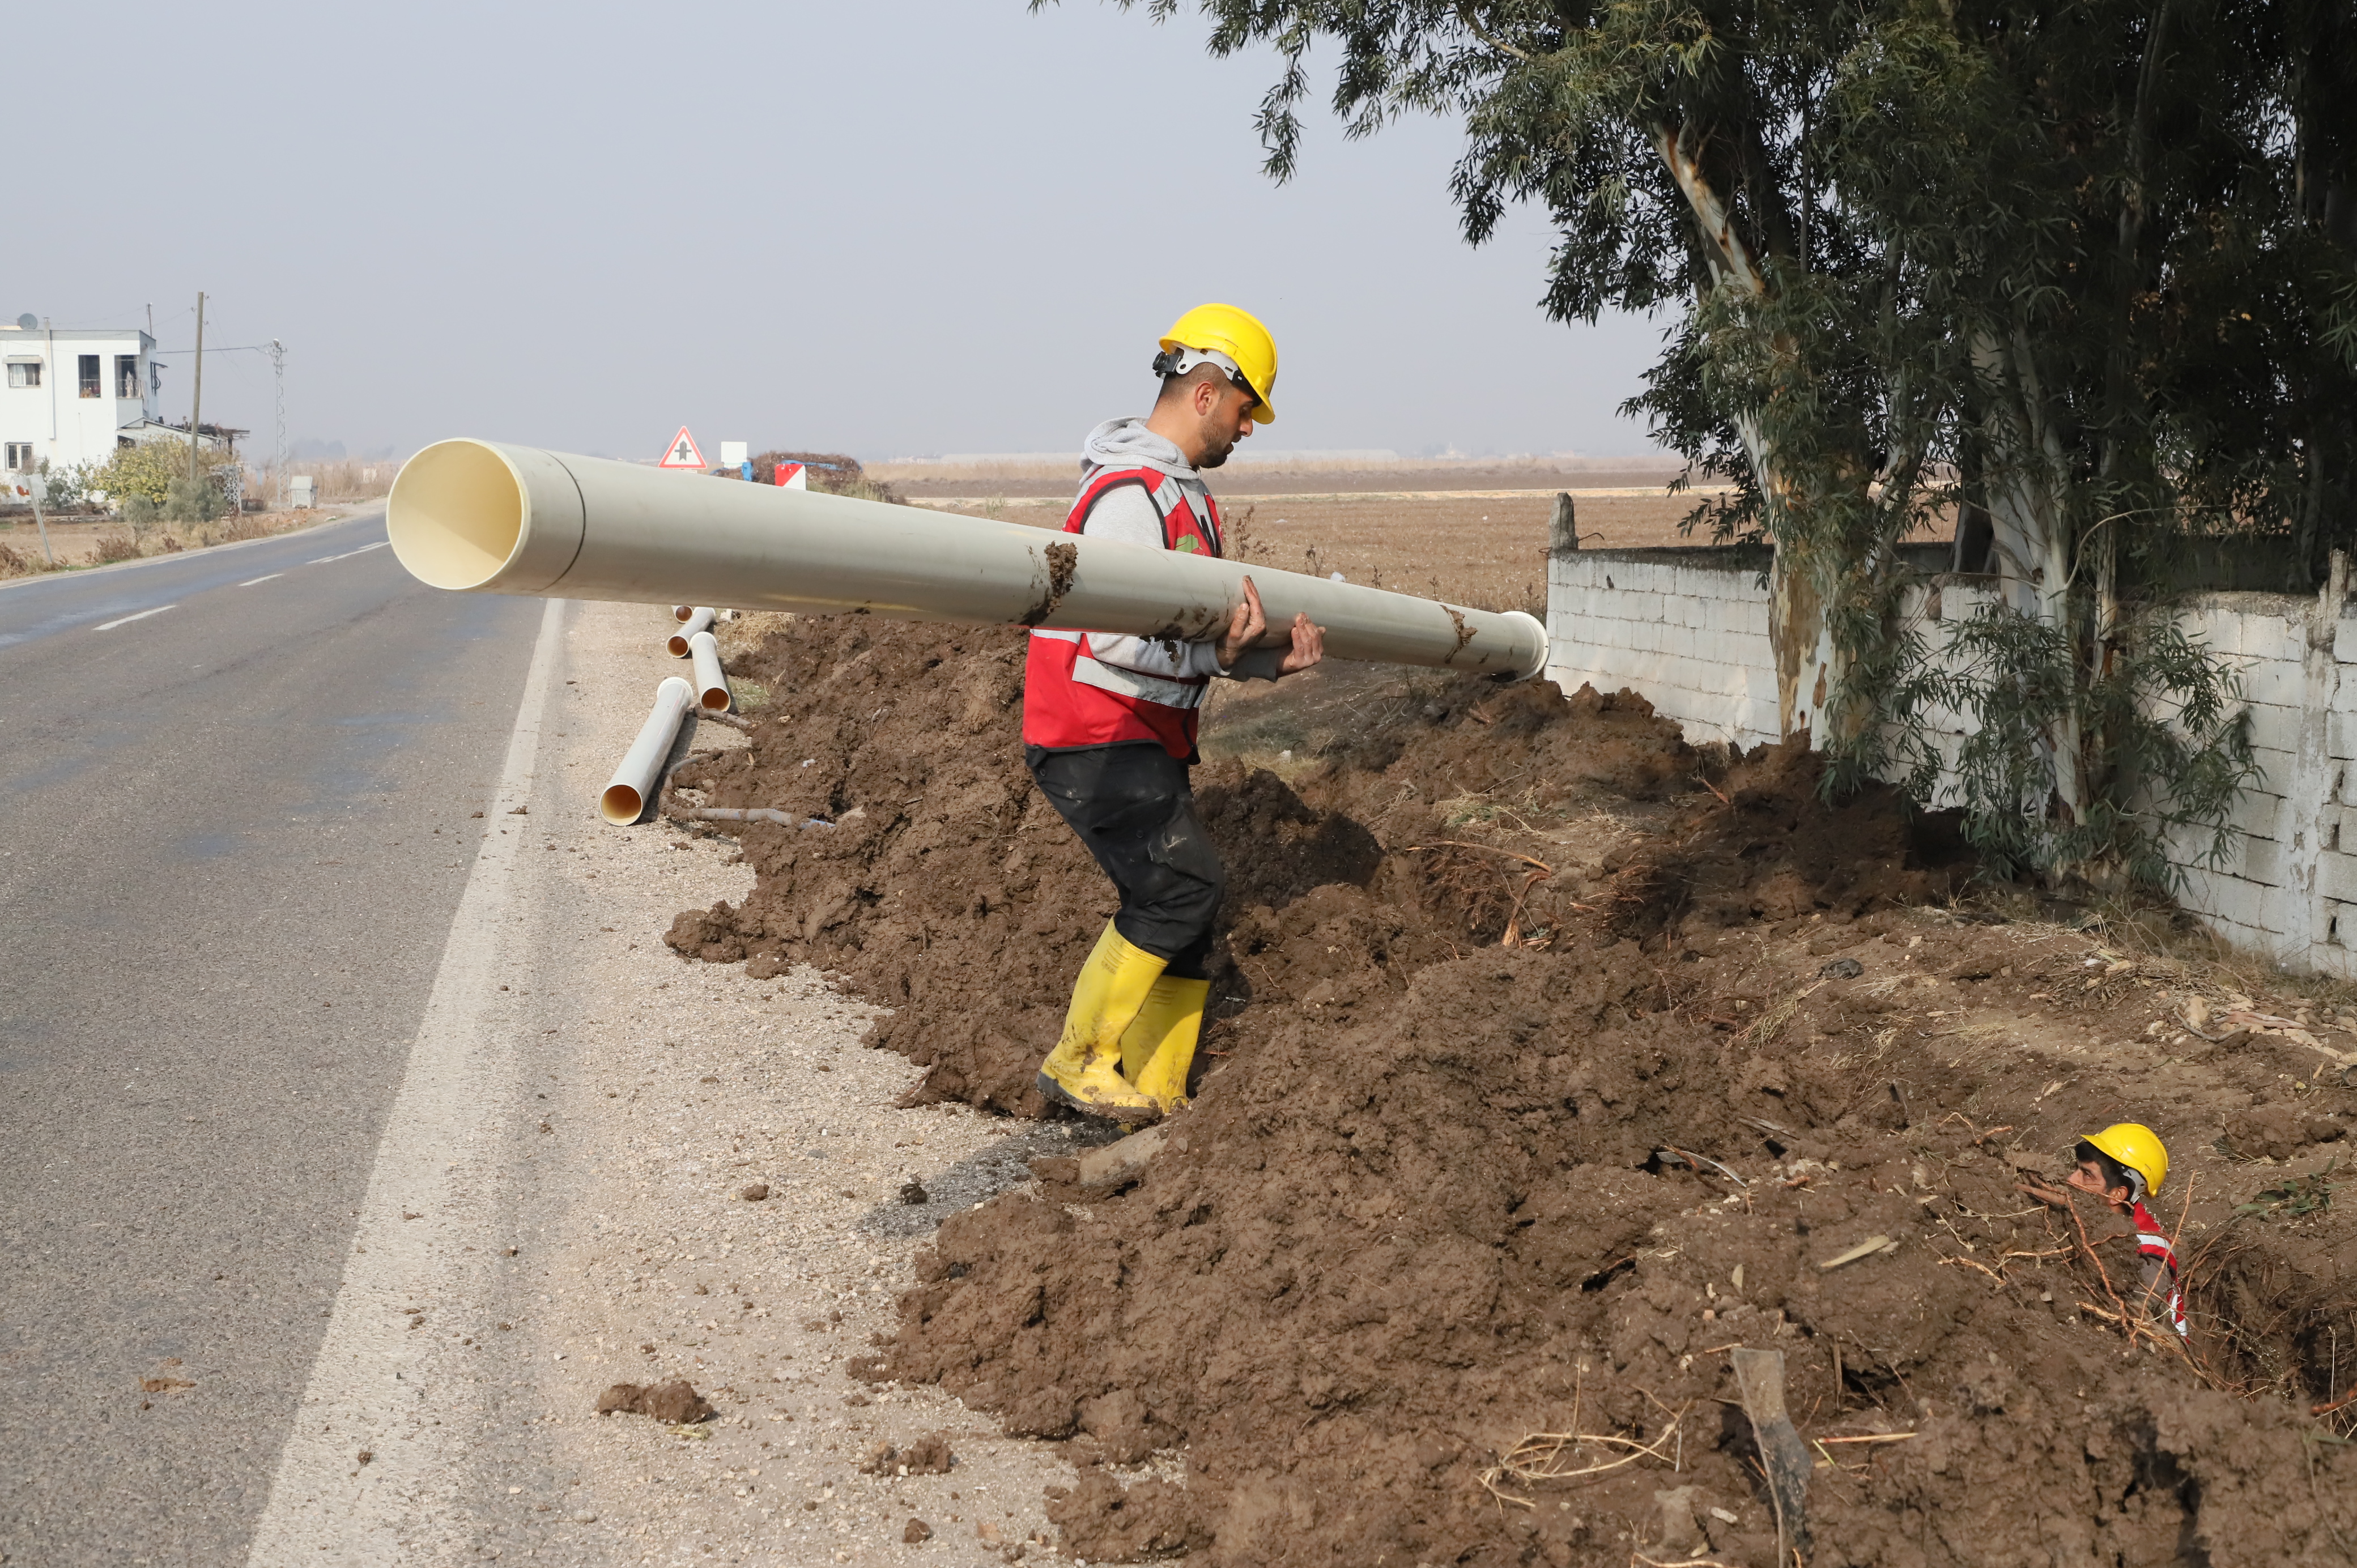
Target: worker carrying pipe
[{"x": 1109, "y": 724}]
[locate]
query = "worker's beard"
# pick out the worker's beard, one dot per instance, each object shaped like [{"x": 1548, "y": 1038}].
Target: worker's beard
[{"x": 1216, "y": 447}]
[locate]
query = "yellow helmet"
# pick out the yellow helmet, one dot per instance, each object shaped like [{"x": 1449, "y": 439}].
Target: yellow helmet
[
  {"x": 2135, "y": 1147},
  {"x": 1238, "y": 335}
]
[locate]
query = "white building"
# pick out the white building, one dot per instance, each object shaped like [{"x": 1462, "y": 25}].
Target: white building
[{"x": 73, "y": 395}]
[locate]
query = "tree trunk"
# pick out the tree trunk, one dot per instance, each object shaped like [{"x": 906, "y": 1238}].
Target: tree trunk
[
  {"x": 1798, "y": 633},
  {"x": 2030, "y": 526}
]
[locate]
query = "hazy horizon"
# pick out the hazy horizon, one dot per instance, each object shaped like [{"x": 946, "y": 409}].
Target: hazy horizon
[{"x": 897, "y": 232}]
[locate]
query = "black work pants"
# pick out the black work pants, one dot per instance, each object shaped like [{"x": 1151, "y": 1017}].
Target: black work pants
[{"x": 1133, "y": 809}]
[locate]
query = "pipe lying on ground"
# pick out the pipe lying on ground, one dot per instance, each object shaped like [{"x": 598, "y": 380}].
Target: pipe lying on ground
[
  {"x": 626, "y": 796},
  {"x": 515, "y": 520},
  {"x": 751, "y": 814},
  {"x": 681, "y": 612},
  {"x": 697, "y": 619},
  {"x": 711, "y": 682}
]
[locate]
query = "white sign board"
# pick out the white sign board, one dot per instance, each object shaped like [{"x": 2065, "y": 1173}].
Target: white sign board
[{"x": 732, "y": 453}]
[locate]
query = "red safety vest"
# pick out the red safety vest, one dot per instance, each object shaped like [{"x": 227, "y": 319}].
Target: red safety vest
[
  {"x": 2153, "y": 1246},
  {"x": 1071, "y": 698}
]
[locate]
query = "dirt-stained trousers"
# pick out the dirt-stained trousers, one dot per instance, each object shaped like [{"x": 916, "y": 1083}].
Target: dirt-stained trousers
[{"x": 1132, "y": 806}]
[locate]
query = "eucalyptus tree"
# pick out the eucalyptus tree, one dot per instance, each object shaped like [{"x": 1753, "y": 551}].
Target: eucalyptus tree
[{"x": 2081, "y": 270}]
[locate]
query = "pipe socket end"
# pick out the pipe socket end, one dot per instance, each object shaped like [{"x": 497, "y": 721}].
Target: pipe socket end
[{"x": 456, "y": 514}]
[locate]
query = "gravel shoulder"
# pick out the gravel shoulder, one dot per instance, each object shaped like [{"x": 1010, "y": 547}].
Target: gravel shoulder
[{"x": 607, "y": 1236}]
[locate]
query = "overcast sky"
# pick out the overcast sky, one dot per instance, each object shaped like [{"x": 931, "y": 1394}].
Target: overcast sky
[{"x": 897, "y": 228}]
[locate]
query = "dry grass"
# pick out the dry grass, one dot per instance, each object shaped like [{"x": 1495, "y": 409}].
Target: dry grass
[{"x": 95, "y": 541}]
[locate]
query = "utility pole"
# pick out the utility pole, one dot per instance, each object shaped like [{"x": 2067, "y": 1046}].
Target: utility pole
[
  {"x": 278, "y": 447},
  {"x": 197, "y": 403}
]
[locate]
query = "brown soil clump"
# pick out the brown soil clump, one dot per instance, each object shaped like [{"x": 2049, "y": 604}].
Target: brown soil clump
[
  {"x": 675, "y": 1403},
  {"x": 1552, "y": 1060},
  {"x": 928, "y": 1455}
]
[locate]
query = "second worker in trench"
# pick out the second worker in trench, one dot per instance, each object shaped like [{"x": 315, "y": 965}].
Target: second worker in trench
[{"x": 1109, "y": 725}]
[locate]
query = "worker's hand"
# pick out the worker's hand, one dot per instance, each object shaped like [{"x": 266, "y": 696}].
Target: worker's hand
[
  {"x": 1308, "y": 645},
  {"x": 2045, "y": 1195},
  {"x": 1245, "y": 628},
  {"x": 1249, "y": 624}
]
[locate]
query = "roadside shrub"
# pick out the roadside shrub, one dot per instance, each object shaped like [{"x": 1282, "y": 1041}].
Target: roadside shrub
[
  {"x": 117, "y": 547},
  {"x": 68, "y": 487},
  {"x": 194, "y": 501},
  {"x": 15, "y": 562},
  {"x": 151, "y": 471}
]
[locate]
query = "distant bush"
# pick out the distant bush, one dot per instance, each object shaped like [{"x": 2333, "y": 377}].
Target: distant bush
[{"x": 833, "y": 472}]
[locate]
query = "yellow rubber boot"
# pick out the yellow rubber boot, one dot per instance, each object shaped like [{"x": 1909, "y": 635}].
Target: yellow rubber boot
[
  {"x": 1085, "y": 1070},
  {"x": 1159, "y": 1047}
]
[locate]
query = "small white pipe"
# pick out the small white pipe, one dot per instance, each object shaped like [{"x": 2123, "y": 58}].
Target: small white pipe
[
  {"x": 697, "y": 619},
  {"x": 711, "y": 680},
  {"x": 681, "y": 612},
  {"x": 626, "y": 797},
  {"x": 516, "y": 519},
  {"x": 752, "y": 814}
]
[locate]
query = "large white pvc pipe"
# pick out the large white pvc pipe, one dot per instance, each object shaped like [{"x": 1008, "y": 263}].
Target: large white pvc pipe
[
  {"x": 697, "y": 619},
  {"x": 711, "y": 680},
  {"x": 626, "y": 796},
  {"x": 516, "y": 519}
]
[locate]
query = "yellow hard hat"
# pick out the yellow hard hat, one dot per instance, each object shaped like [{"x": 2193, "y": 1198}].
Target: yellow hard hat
[
  {"x": 2136, "y": 1147},
  {"x": 1238, "y": 334}
]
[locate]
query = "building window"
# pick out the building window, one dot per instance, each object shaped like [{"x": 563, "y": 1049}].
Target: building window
[
  {"x": 20, "y": 456},
  {"x": 126, "y": 377},
  {"x": 89, "y": 379},
  {"x": 24, "y": 375}
]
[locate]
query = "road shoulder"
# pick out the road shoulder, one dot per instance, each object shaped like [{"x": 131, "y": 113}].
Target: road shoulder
[{"x": 593, "y": 1228}]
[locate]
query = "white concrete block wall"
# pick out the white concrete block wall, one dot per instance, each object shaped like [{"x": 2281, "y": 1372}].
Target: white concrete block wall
[
  {"x": 1689, "y": 632},
  {"x": 1691, "y": 638}
]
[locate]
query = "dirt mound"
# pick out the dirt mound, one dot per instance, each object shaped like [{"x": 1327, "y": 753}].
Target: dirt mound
[
  {"x": 947, "y": 875},
  {"x": 1516, "y": 988},
  {"x": 1768, "y": 848},
  {"x": 1392, "y": 1241}
]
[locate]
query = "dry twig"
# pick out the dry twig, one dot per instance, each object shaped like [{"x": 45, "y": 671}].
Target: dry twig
[{"x": 1551, "y": 1455}]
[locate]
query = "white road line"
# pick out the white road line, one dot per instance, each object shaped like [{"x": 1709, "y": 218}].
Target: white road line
[
  {"x": 348, "y": 554},
  {"x": 264, "y": 578},
  {"x": 126, "y": 621},
  {"x": 431, "y": 1233}
]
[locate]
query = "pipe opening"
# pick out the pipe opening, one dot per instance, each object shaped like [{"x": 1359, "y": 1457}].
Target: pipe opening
[
  {"x": 716, "y": 699},
  {"x": 620, "y": 805},
  {"x": 678, "y": 645},
  {"x": 456, "y": 514}
]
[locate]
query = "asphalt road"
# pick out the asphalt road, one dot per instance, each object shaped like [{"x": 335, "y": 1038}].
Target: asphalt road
[{"x": 236, "y": 790}]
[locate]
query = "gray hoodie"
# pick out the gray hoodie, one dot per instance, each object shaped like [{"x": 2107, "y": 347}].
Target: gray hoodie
[{"x": 1128, "y": 515}]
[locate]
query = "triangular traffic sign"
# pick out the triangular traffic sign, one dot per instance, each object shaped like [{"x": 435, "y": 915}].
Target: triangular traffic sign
[{"x": 682, "y": 453}]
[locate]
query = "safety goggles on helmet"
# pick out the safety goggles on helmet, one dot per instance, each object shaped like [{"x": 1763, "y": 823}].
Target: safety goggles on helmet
[{"x": 1178, "y": 362}]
